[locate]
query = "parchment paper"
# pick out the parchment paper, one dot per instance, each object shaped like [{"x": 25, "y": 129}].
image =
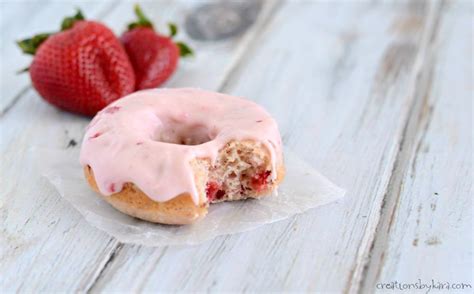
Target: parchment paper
[{"x": 303, "y": 188}]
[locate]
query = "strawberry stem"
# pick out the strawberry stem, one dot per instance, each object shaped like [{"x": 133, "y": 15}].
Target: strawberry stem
[
  {"x": 139, "y": 13},
  {"x": 68, "y": 22},
  {"x": 142, "y": 20}
]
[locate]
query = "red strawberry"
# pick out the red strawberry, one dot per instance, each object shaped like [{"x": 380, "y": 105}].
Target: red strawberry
[
  {"x": 154, "y": 57},
  {"x": 80, "y": 69}
]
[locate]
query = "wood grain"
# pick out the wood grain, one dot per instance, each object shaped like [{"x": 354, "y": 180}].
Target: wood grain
[
  {"x": 342, "y": 95},
  {"x": 36, "y": 237},
  {"x": 430, "y": 230},
  {"x": 45, "y": 244},
  {"x": 372, "y": 94}
]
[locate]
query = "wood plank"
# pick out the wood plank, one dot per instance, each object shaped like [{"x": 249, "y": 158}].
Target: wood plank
[
  {"x": 35, "y": 238},
  {"x": 430, "y": 236},
  {"x": 341, "y": 80},
  {"x": 45, "y": 244}
]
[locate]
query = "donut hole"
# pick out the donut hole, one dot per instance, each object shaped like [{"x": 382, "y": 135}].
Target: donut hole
[{"x": 184, "y": 134}]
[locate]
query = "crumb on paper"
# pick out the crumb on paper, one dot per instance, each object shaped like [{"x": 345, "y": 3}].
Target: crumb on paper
[{"x": 433, "y": 241}]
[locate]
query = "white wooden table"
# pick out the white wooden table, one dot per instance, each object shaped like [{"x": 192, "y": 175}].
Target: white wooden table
[{"x": 377, "y": 95}]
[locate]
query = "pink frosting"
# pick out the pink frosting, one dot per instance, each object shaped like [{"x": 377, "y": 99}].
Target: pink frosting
[{"x": 141, "y": 138}]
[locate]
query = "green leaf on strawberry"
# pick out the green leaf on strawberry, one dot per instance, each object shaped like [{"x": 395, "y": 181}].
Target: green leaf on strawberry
[
  {"x": 68, "y": 22},
  {"x": 30, "y": 45},
  {"x": 173, "y": 29},
  {"x": 184, "y": 49},
  {"x": 145, "y": 22}
]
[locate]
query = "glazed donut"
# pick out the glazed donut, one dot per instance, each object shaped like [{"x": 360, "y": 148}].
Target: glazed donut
[{"x": 163, "y": 155}]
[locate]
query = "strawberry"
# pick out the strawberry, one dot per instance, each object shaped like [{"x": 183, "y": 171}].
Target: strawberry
[
  {"x": 82, "y": 68},
  {"x": 154, "y": 57}
]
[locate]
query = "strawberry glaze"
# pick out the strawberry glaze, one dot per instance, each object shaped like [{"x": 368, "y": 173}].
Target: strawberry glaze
[{"x": 149, "y": 137}]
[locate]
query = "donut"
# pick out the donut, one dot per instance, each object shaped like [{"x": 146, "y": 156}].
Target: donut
[{"x": 164, "y": 155}]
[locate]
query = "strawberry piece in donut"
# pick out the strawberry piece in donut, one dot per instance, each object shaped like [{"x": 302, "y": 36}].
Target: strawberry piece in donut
[
  {"x": 259, "y": 181},
  {"x": 214, "y": 192}
]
